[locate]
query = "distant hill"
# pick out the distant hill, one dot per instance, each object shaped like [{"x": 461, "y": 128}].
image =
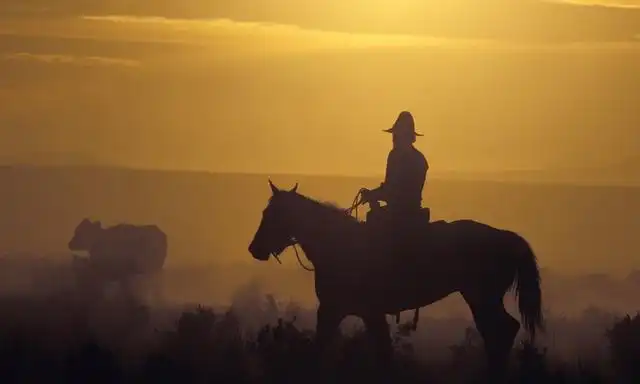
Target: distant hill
[
  {"x": 211, "y": 218},
  {"x": 625, "y": 173},
  {"x": 52, "y": 158},
  {"x": 629, "y": 168}
]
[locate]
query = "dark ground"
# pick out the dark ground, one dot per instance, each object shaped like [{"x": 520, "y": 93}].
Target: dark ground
[{"x": 67, "y": 337}]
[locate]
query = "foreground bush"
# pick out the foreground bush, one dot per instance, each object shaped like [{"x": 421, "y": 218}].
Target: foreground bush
[
  {"x": 113, "y": 344},
  {"x": 624, "y": 344}
]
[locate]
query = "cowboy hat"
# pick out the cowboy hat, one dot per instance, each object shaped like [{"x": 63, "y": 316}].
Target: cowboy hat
[{"x": 404, "y": 125}]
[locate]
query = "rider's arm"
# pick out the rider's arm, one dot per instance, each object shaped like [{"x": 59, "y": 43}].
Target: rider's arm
[{"x": 379, "y": 194}]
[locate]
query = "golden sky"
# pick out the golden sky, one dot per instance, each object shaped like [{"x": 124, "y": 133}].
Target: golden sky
[{"x": 281, "y": 86}]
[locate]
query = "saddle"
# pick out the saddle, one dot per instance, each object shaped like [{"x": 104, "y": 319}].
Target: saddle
[{"x": 401, "y": 227}]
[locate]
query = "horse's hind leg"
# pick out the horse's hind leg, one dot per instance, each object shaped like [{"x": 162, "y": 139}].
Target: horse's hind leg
[{"x": 498, "y": 330}]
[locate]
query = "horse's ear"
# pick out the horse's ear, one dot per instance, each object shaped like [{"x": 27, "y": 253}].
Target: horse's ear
[
  {"x": 274, "y": 189},
  {"x": 294, "y": 189}
]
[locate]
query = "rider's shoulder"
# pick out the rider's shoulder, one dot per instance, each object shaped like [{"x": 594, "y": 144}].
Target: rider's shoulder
[
  {"x": 417, "y": 153},
  {"x": 408, "y": 152},
  {"x": 394, "y": 152},
  {"x": 420, "y": 158}
]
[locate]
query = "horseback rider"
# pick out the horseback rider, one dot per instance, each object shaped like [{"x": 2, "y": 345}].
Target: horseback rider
[{"x": 405, "y": 177}]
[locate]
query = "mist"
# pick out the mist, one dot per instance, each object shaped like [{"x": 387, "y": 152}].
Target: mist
[{"x": 176, "y": 115}]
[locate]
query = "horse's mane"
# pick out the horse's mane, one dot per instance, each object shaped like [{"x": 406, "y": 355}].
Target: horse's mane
[{"x": 333, "y": 207}]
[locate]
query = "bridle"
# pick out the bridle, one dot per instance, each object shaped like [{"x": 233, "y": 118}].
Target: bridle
[{"x": 357, "y": 201}]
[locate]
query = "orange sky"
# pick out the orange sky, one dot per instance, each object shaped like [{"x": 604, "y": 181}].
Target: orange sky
[{"x": 269, "y": 87}]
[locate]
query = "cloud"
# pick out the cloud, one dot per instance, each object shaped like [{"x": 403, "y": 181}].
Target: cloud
[
  {"x": 628, "y": 4},
  {"x": 83, "y": 61},
  {"x": 505, "y": 20},
  {"x": 269, "y": 36},
  {"x": 274, "y": 37},
  {"x": 164, "y": 43},
  {"x": 199, "y": 45}
]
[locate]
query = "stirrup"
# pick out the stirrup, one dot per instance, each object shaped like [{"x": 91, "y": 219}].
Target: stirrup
[{"x": 416, "y": 317}]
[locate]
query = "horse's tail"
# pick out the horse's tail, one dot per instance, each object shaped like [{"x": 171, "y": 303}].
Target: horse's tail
[{"x": 527, "y": 288}]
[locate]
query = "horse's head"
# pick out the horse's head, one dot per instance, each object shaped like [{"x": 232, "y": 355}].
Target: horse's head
[
  {"x": 85, "y": 235},
  {"x": 274, "y": 234}
]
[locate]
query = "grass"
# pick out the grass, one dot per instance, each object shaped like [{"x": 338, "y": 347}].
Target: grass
[{"x": 67, "y": 339}]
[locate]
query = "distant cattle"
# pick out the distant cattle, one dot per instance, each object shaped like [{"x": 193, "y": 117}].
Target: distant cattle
[{"x": 121, "y": 251}]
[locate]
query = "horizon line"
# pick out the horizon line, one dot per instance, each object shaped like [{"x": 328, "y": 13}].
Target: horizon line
[{"x": 443, "y": 175}]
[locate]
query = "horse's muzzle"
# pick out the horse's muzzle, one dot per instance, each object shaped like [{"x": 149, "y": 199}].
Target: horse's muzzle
[
  {"x": 258, "y": 253},
  {"x": 75, "y": 246}
]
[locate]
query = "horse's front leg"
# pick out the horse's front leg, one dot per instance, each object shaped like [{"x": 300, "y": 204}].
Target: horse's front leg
[{"x": 327, "y": 327}]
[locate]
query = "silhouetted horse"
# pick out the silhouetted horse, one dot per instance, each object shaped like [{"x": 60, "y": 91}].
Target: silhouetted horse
[
  {"x": 119, "y": 252},
  {"x": 354, "y": 278}
]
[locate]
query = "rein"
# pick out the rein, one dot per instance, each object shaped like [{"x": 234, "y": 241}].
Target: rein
[
  {"x": 357, "y": 201},
  {"x": 295, "y": 248}
]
